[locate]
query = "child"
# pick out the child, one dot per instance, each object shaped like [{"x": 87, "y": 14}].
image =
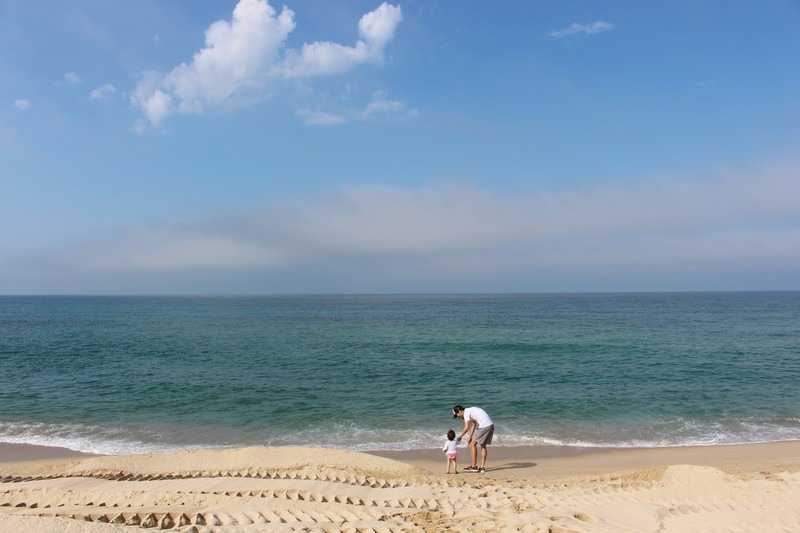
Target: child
[{"x": 450, "y": 449}]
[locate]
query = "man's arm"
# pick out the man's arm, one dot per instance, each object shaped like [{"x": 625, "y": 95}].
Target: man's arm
[
  {"x": 466, "y": 428},
  {"x": 472, "y": 430}
]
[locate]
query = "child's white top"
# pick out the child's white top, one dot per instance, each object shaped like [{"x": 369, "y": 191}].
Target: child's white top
[{"x": 450, "y": 446}]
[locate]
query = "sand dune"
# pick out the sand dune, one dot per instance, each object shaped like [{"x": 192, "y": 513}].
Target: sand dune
[{"x": 298, "y": 489}]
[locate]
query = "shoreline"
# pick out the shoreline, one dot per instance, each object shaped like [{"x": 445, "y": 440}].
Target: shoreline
[
  {"x": 545, "y": 462},
  {"x": 562, "y": 462},
  {"x": 746, "y": 487},
  {"x": 12, "y": 452}
]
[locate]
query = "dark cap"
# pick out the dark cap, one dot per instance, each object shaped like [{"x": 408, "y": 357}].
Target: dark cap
[{"x": 456, "y": 409}]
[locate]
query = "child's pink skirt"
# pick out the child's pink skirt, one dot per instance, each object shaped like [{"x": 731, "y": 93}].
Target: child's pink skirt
[{"x": 452, "y": 455}]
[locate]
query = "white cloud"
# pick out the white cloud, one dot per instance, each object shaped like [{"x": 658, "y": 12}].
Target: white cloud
[
  {"x": 376, "y": 29},
  {"x": 22, "y": 104},
  {"x": 382, "y": 107},
  {"x": 243, "y": 55},
  {"x": 320, "y": 118},
  {"x": 704, "y": 84},
  {"x": 588, "y": 29},
  {"x": 652, "y": 229},
  {"x": 234, "y": 63},
  {"x": 103, "y": 92},
  {"x": 175, "y": 249},
  {"x": 70, "y": 78}
]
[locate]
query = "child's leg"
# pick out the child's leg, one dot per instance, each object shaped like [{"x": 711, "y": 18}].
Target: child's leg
[
  {"x": 455, "y": 464},
  {"x": 449, "y": 460}
]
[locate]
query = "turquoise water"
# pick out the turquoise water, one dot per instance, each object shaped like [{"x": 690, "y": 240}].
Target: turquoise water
[{"x": 142, "y": 374}]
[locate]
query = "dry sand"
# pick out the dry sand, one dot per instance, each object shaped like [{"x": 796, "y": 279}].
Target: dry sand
[{"x": 719, "y": 488}]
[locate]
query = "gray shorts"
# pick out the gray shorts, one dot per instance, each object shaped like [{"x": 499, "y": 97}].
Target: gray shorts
[{"x": 484, "y": 435}]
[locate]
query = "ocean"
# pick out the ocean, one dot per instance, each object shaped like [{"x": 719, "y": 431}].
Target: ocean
[{"x": 117, "y": 375}]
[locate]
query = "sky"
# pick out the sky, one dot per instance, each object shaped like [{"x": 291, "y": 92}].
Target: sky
[{"x": 252, "y": 147}]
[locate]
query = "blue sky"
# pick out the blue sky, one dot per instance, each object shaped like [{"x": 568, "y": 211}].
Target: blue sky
[{"x": 415, "y": 146}]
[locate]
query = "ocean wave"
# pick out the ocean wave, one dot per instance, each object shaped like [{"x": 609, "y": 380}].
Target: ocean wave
[
  {"x": 85, "y": 438},
  {"x": 109, "y": 440}
]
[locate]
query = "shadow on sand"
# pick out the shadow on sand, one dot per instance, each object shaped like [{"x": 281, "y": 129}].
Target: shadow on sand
[{"x": 510, "y": 466}]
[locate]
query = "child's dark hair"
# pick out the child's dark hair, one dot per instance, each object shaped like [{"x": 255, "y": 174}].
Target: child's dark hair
[{"x": 451, "y": 435}]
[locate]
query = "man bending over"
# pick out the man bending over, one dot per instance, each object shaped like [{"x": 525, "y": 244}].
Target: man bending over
[{"x": 480, "y": 428}]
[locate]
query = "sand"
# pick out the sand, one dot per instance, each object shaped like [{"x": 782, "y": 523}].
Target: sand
[{"x": 554, "y": 489}]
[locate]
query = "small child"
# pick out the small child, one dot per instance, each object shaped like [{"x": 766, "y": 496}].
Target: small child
[{"x": 451, "y": 451}]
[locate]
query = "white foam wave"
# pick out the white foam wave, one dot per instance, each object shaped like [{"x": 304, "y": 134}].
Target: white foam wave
[
  {"x": 83, "y": 438},
  {"x": 136, "y": 440}
]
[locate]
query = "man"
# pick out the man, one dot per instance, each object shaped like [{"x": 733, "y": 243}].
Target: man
[{"x": 481, "y": 429}]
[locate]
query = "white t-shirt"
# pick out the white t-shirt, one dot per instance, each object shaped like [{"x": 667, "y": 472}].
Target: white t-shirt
[
  {"x": 450, "y": 446},
  {"x": 476, "y": 414}
]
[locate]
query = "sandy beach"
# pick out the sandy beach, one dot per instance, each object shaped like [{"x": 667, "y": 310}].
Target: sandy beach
[{"x": 752, "y": 487}]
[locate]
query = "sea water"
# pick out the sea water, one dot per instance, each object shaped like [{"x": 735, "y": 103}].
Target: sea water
[{"x": 144, "y": 374}]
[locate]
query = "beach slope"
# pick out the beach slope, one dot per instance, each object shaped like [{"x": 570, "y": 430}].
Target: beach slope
[{"x": 724, "y": 488}]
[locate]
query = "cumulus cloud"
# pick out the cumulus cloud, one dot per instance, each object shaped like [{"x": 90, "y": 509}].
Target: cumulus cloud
[
  {"x": 22, "y": 104},
  {"x": 588, "y": 29},
  {"x": 243, "y": 55},
  {"x": 376, "y": 29},
  {"x": 233, "y": 63},
  {"x": 103, "y": 92},
  {"x": 653, "y": 228}
]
